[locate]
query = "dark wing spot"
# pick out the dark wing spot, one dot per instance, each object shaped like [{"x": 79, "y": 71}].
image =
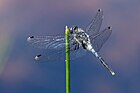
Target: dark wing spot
[
  {"x": 99, "y": 10},
  {"x": 38, "y": 56},
  {"x": 109, "y": 28},
  {"x": 32, "y": 37}
]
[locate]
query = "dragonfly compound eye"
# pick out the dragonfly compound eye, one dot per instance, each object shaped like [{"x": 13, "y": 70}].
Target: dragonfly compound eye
[
  {"x": 71, "y": 31},
  {"x": 75, "y": 27}
]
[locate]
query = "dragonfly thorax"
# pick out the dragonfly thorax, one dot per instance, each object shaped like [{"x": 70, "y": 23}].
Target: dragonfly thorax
[{"x": 81, "y": 37}]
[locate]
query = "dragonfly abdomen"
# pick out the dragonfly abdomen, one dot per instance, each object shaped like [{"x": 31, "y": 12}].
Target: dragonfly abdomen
[{"x": 103, "y": 62}]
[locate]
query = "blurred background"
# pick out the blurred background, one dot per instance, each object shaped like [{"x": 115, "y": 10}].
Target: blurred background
[{"x": 22, "y": 18}]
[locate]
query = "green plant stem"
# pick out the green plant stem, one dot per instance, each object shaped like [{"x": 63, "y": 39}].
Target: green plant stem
[{"x": 67, "y": 60}]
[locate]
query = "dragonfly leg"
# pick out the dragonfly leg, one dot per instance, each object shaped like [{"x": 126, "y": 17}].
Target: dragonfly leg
[
  {"x": 74, "y": 42},
  {"x": 76, "y": 46},
  {"x": 83, "y": 45}
]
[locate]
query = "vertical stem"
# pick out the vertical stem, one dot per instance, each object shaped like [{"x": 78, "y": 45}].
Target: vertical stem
[{"x": 67, "y": 60}]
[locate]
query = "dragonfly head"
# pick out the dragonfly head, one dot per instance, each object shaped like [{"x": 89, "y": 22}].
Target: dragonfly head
[{"x": 73, "y": 29}]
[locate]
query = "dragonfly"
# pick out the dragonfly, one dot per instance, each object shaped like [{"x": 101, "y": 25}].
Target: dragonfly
[{"x": 91, "y": 39}]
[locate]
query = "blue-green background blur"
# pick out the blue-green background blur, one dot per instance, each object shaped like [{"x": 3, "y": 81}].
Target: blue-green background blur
[{"x": 22, "y": 18}]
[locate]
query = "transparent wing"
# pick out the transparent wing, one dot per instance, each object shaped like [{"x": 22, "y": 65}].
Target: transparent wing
[
  {"x": 55, "y": 48},
  {"x": 99, "y": 39},
  {"x": 47, "y": 42},
  {"x": 94, "y": 26},
  {"x": 50, "y": 42},
  {"x": 59, "y": 56}
]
